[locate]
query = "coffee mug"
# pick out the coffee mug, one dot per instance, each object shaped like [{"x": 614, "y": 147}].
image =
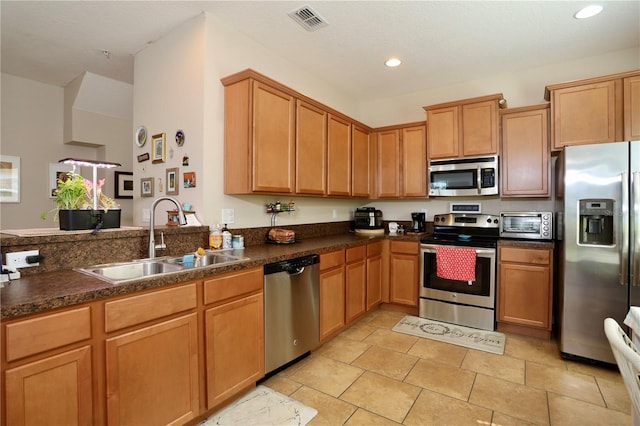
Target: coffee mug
[
  {"x": 393, "y": 227},
  {"x": 186, "y": 206}
]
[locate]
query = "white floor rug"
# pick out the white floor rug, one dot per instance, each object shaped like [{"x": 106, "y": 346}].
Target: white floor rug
[
  {"x": 262, "y": 407},
  {"x": 488, "y": 341}
]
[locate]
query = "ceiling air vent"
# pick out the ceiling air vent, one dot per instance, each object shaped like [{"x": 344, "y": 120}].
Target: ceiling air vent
[{"x": 308, "y": 18}]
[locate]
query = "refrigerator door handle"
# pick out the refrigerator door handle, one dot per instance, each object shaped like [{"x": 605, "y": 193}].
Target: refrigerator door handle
[
  {"x": 624, "y": 243},
  {"x": 635, "y": 211}
]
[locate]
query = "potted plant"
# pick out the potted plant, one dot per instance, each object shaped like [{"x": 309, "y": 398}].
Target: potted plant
[{"x": 74, "y": 198}]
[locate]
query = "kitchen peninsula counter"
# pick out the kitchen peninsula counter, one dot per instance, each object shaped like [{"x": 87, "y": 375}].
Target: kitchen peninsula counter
[{"x": 50, "y": 290}]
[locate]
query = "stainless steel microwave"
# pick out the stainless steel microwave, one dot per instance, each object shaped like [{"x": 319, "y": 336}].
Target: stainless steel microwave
[
  {"x": 526, "y": 225},
  {"x": 463, "y": 177}
]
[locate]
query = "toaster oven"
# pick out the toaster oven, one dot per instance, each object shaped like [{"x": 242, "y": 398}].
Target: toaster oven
[
  {"x": 526, "y": 225},
  {"x": 368, "y": 218}
]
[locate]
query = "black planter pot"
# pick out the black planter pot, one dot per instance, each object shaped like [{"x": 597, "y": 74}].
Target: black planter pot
[{"x": 76, "y": 220}]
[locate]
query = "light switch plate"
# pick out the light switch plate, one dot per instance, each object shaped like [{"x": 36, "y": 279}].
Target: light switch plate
[{"x": 228, "y": 216}]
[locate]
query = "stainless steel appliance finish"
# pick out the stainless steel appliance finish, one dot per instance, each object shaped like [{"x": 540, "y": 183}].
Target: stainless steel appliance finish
[
  {"x": 526, "y": 225},
  {"x": 461, "y": 177},
  {"x": 291, "y": 307},
  {"x": 601, "y": 244},
  {"x": 468, "y": 303}
]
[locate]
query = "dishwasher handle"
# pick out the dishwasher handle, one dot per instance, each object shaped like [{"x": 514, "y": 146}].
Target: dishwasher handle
[
  {"x": 296, "y": 271},
  {"x": 292, "y": 266}
]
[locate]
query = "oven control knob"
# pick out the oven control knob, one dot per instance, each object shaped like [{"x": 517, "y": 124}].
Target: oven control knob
[
  {"x": 495, "y": 221},
  {"x": 489, "y": 220}
]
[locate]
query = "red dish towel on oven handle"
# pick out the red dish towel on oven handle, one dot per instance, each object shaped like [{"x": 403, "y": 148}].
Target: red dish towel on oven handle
[{"x": 456, "y": 263}]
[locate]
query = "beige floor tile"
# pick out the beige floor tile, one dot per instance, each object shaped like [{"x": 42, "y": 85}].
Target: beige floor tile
[
  {"x": 391, "y": 340},
  {"x": 432, "y": 408},
  {"x": 282, "y": 384},
  {"x": 565, "y": 411},
  {"x": 363, "y": 417},
  {"x": 510, "y": 398},
  {"x": 358, "y": 331},
  {"x": 564, "y": 382},
  {"x": 381, "y": 395},
  {"x": 606, "y": 373},
  {"x": 442, "y": 378},
  {"x": 439, "y": 351},
  {"x": 500, "y": 366},
  {"x": 327, "y": 375},
  {"x": 615, "y": 395},
  {"x": 386, "y": 362},
  {"x": 342, "y": 349},
  {"x": 501, "y": 419},
  {"x": 536, "y": 350},
  {"x": 386, "y": 319},
  {"x": 331, "y": 411}
]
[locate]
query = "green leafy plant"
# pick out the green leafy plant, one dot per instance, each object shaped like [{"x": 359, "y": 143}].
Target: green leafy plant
[{"x": 74, "y": 192}]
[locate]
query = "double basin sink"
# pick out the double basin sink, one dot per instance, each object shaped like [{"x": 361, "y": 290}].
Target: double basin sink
[{"x": 120, "y": 272}]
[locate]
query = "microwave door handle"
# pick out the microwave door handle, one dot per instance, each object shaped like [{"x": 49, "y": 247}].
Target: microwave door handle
[
  {"x": 624, "y": 243},
  {"x": 479, "y": 181},
  {"x": 635, "y": 211}
]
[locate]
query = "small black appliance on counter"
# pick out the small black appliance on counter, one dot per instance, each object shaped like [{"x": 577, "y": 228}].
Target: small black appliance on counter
[
  {"x": 368, "y": 219},
  {"x": 418, "y": 222}
]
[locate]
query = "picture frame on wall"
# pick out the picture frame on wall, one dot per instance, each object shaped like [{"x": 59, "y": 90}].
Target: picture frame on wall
[
  {"x": 172, "y": 181},
  {"x": 146, "y": 187},
  {"x": 189, "y": 179},
  {"x": 158, "y": 148},
  {"x": 124, "y": 185},
  {"x": 9, "y": 179}
]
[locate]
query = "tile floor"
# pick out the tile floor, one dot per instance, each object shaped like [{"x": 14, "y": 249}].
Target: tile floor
[{"x": 369, "y": 375}]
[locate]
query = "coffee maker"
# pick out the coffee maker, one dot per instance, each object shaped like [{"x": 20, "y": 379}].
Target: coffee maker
[{"x": 418, "y": 222}]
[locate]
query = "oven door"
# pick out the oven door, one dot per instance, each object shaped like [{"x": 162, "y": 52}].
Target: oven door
[{"x": 480, "y": 292}]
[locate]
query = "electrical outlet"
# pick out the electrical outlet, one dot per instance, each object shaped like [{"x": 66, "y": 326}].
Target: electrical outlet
[
  {"x": 18, "y": 259},
  {"x": 228, "y": 216},
  {"x": 334, "y": 213},
  {"x": 146, "y": 215}
]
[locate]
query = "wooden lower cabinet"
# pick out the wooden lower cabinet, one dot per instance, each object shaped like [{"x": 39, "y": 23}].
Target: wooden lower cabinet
[
  {"x": 374, "y": 275},
  {"x": 332, "y": 293},
  {"x": 234, "y": 333},
  {"x": 525, "y": 281},
  {"x": 56, "y": 390},
  {"x": 404, "y": 267},
  {"x": 356, "y": 283},
  {"x": 152, "y": 374}
]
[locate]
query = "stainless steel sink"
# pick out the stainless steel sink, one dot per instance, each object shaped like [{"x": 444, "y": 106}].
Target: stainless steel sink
[
  {"x": 124, "y": 271},
  {"x": 207, "y": 259}
]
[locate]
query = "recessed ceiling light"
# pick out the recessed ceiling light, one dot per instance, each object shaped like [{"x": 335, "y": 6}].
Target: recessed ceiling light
[
  {"x": 393, "y": 62},
  {"x": 588, "y": 11}
]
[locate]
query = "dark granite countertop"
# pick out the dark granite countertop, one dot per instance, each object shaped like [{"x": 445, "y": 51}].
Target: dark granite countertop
[{"x": 45, "y": 291}]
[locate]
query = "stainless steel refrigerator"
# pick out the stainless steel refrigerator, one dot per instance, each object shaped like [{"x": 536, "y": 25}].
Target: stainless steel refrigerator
[{"x": 599, "y": 267}]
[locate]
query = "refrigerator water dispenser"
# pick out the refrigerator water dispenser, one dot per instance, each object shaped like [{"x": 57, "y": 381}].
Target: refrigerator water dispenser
[{"x": 596, "y": 222}]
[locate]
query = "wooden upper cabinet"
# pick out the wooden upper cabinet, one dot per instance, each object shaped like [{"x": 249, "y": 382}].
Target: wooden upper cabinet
[
  {"x": 311, "y": 149},
  {"x": 338, "y": 156},
  {"x": 525, "y": 169},
  {"x": 463, "y": 128},
  {"x": 632, "y": 108},
  {"x": 414, "y": 161},
  {"x": 388, "y": 163},
  {"x": 361, "y": 164}
]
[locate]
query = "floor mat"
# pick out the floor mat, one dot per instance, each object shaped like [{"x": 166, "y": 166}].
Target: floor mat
[
  {"x": 262, "y": 406},
  {"x": 488, "y": 341}
]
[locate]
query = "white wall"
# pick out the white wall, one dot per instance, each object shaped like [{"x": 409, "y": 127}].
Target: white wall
[{"x": 32, "y": 129}]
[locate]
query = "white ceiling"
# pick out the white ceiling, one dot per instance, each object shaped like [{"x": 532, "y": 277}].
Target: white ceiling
[{"x": 440, "y": 42}]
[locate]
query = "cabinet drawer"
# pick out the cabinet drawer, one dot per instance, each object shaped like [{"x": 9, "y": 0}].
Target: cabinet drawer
[
  {"x": 41, "y": 334},
  {"x": 408, "y": 247},
  {"x": 233, "y": 284},
  {"x": 374, "y": 249},
  {"x": 356, "y": 253},
  {"x": 525, "y": 255},
  {"x": 138, "y": 309},
  {"x": 331, "y": 259}
]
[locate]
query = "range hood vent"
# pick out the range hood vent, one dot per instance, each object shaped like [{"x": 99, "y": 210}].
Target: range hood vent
[{"x": 308, "y": 18}]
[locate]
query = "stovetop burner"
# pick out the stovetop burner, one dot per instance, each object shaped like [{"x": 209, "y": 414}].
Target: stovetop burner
[{"x": 464, "y": 229}]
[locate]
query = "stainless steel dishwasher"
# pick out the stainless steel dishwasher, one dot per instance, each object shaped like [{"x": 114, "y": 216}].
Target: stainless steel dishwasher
[{"x": 291, "y": 310}]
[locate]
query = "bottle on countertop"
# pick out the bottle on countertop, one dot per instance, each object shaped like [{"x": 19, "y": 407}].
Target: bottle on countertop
[
  {"x": 215, "y": 238},
  {"x": 226, "y": 237}
]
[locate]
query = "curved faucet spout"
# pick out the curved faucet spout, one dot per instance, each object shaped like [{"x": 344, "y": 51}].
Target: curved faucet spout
[{"x": 182, "y": 220}]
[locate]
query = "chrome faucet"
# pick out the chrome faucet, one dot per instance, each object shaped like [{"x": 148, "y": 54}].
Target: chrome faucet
[{"x": 181, "y": 219}]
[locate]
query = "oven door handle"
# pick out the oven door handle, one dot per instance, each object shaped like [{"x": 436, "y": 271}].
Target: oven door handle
[{"x": 431, "y": 248}]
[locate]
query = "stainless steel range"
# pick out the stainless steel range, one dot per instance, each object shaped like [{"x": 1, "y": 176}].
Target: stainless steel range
[{"x": 468, "y": 302}]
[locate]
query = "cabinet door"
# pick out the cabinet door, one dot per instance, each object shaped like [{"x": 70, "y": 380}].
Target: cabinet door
[
  {"x": 632, "y": 108},
  {"x": 374, "y": 281},
  {"x": 234, "y": 337},
  {"x": 584, "y": 114},
  {"x": 414, "y": 162},
  {"x": 152, "y": 374},
  {"x": 404, "y": 265},
  {"x": 361, "y": 165},
  {"x": 311, "y": 152},
  {"x": 524, "y": 295},
  {"x": 443, "y": 132},
  {"x": 331, "y": 301},
  {"x": 273, "y": 139},
  {"x": 480, "y": 128},
  {"x": 338, "y": 156},
  {"x": 525, "y": 153},
  {"x": 389, "y": 163},
  {"x": 53, "y": 391}
]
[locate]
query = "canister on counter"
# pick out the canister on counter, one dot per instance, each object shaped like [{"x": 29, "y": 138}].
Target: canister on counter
[{"x": 237, "y": 242}]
